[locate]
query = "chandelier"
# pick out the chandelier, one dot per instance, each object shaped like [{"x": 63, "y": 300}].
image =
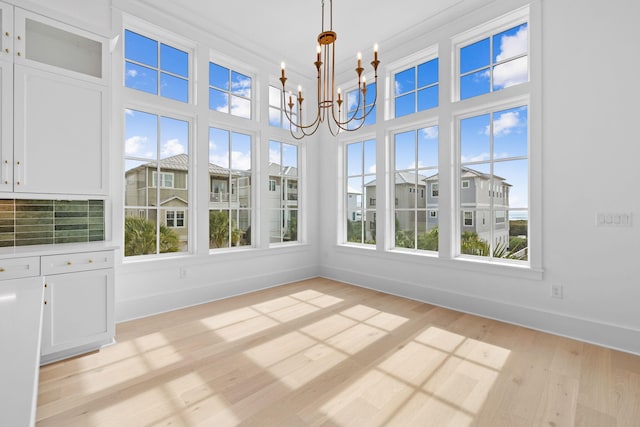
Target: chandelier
[{"x": 330, "y": 102}]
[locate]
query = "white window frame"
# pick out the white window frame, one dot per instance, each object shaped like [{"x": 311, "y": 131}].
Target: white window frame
[{"x": 232, "y": 66}]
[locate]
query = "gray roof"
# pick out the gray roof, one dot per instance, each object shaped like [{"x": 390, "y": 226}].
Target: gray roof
[
  {"x": 180, "y": 162},
  {"x": 402, "y": 178},
  {"x": 276, "y": 170}
]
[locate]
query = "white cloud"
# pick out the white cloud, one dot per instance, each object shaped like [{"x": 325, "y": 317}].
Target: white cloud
[
  {"x": 132, "y": 73},
  {"x": 172, "y": 147},
  {"x": 240, "y": 107},
  {"x": 135, "y": 145},
  {"x": 504, "y": 124},
  {"x": 242, "y": 87},
  {"x": 511, "y": 73},
  {"x": 274, "y": 156},
  {"x": 128, "y": 112},
  {"x": 221, "y": 160},
  {"x": 430, "y": 132},
  {"x": 478, "y": 158},
  {"x": 514, "y": 45},
  {"x": 516, "y": 71},
  {"x": 372, "y": 169},
  {"x": 240, "y": 160}
]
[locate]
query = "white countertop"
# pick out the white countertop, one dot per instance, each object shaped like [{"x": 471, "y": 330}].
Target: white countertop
[
  {"x": 62, "y": 248},
  {"x": 21, "y": 304}
]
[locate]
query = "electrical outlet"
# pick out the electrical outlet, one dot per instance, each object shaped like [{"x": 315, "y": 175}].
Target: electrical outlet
[{"x": 556, "y": 291}]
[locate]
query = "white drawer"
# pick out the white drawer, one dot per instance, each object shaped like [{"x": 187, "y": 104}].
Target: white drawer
[
  {"x": 69, "y": 263},
  {"x": 14, "y": 268}
]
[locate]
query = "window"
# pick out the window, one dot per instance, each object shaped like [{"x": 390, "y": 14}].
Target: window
[
  {"x": 360, "y": 188},
  {"x": 230, "y": 200},
  {"x": 494, "y": 150},
  {"x": 155, "y": 146},
  {"x": 434, "y": 190},
  {"x": 175, "y": 219},
  {"x": 284, "y": 205},
  {"x": 156, "y": 68},
  {"x": 416, "y": 88},
  {"x": 416, "y": 166},
  {"x": 466, "y": 183},
  {"x": 357, "y": 105},
  {"x": 166, "y": 179},
  {"x": 229, "y": 91},
  {"x": 494, "y": 62},
  {"x": 277, "y": 107},
  {"x": 272, "y": 185}
]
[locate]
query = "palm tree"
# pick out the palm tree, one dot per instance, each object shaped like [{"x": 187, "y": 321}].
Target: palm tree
[{"x": 140, "y": 237}]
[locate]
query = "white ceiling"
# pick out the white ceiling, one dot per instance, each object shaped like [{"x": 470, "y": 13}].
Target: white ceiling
[{"x": 287, "y": 30}]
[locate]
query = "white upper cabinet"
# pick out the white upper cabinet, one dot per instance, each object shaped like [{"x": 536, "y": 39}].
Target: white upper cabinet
[{"x": 54, "y": 110}]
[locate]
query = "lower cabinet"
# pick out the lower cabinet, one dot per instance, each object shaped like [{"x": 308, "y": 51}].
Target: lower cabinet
[{"x": 78, "y": 304}]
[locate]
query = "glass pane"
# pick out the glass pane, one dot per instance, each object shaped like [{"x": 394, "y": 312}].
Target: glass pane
[
  {"x": 511, "y": 73},
  {"x": 219, "y": 148},
  {"x": 428, "y": 98},
  {"x": 405, "y": 150},
  {"x": 510, "y": 133},
  {"x": 475, "y": 56},
  {"x": 244, "y": 190},
  {"x": 354, "y": 193},
  {"x": 275, "y": 226},
  {"x": 405, "y": 190},
  {"x": 510, "y": 43},
  {"x": 218, "y": 101},
  {"x": 218, "y": 76},
  {"x": 518, "y": 235},
  {"x": 371, "y": 94},
  {"x": 428, "y": 73},
  {"x": 141, "y": 135},
  {"x": 290, "y": 159},
  {"x": 139, "y": 231},
  {"x": 428, "y": 233},
  {"x": 354, "y": 226},
  {"x": 405, "y": 104},
  {"x": 370, "y": 156},
  {"x": 275, "y": 97},
  {"x": 274, "y": 117},
  {"x": 275, "y": 156},
  {"x": 290, "y": 192},
  {"x": 240, "y": 107},
  {"x": 135, "y": 173},
  {"x": 240, "y": 84},
  {"x": 173, "y": 238},
  {"x": 174, "y": 60},
  {"x": 141, "y": 78},
  {"x": 240, "y": 152},
  {"x": 405, "y": 81},
  {"x": 474, "y": 84},
  {"x": 140, "y": 49},
  {"x": 511, "y": 184},
  {"x": 241, "y": 227},
  {"x": 353, "y": 101},
  {"x": 371, "y": 118},
  {"x": 428, "y": 147},
  {"x": 290, "y": 229},
  {"x": 354, "y": 159},
  {"x": 218, "y": 229},
  {"x": 476, "y": 233},
  {"x": 174, "y": 140},
  {"x": 405, "y": 229},
  {"x": 174, "y": 87},
  {"x": 474, "y": 139},
  {"x": 370, "y": 227}
]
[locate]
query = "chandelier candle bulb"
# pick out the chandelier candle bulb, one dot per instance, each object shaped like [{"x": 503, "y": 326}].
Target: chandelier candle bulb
[
  {"x": 282, "y": 66},
  {"x": 318, "y": 53},
  {"x": 359, "y": 59},
  {"x": 375, "y": 52}
]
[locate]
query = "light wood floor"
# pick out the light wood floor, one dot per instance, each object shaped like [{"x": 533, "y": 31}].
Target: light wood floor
[{"x": 324, "y": 353}]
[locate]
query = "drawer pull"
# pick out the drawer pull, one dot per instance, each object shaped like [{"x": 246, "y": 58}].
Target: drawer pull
[
  {"x": 90, "y": 261},
  {"x": 1, "y": 270},
  {"x": 68, "y": 262},
  {"x": 45, "y": 285},
  {"x": 45, "y": 302}
]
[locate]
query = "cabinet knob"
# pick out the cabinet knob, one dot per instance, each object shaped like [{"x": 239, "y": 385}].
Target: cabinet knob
[
  {"x": 18, "y": 162},
  {"x": 19, "y": 37},
  {"x": 45, "y": 302},
  {"x": 1, "y": 270},
  {"x": 17, "y": 182},
  {"x": 90, "y": 261},
  {"x": 6, "y": 182},
  {"x": 45, "y": 285},
  {"x": 68, "y": 262},
  {"x": 6, "y": 49},
  {"x": 6, "y": 33},
  {"x": 19, "y": 54}
]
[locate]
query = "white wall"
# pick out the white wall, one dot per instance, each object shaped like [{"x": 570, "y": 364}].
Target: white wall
[{"x": 590, "y": 151}]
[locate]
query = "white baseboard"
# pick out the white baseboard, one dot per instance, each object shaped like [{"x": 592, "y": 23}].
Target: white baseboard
[{"x": 604, "y": 334}]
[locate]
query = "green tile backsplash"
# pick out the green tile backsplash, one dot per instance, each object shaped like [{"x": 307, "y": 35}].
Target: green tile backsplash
[{"x": 37, "y": 222}]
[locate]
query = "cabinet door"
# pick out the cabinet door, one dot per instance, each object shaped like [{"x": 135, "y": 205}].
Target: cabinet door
[
  {"x": 6, "y": 126},
  {"x": 6, "y": 32},
  {"x": 60, "y": 134},
  {"x": 78, "y": 310}
]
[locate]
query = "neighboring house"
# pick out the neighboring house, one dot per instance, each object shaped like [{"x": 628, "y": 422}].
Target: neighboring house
[
  {"x": 475, "y": 215},
  {"x": 283, "y": 201},
  {"x": 226, "y": 191}
]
